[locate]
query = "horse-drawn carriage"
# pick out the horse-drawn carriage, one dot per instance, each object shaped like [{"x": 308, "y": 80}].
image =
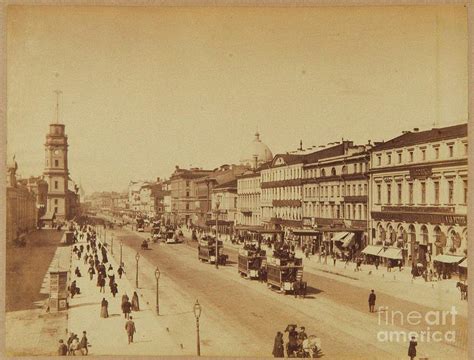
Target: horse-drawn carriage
[
  {"x": 286, "y": 274},
  {"x": 207, "y": 251},
  {"x": 250, "y": 260}
]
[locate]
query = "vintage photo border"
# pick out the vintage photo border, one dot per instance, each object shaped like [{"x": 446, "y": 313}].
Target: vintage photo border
[{"x": 469, "y": 4}]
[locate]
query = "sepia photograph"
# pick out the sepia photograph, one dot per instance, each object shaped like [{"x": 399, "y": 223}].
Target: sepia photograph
[{"x": 237, "y": 181}]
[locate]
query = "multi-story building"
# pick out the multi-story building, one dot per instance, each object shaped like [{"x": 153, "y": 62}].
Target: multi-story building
[
  {"x": 204, "y": 187},
  {"x": 281, "y": 195},
  {"x": 39, "y": 188},
  {"x": 248, "y": 197},
  {"x": 418, "y": 195},
  {"x": 166, "y": 191},
  {"x": 21, "y": 206},
  {"x": 335, "y": 195},
  {"x": 225, "y": 195},
  {"x": 184, "y": 199},
  {"x": 134, "y": 195}
]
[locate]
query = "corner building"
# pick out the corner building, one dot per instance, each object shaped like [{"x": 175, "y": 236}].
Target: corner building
[{"x": 418, "y": 195}]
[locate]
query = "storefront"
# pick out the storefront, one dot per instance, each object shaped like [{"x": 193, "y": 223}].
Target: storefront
[{"x": 447, "y": 265}]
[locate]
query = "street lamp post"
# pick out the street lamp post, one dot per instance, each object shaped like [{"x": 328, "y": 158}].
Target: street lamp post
[
  {"x": 112, "y": 244},
  {"x": 157, "y": 276},
  {"x": 121, "y": 244},
  {"x": 197, "y": 314},
  {"x": 137, "y": 257},
  {"x": 218, "y": 203}
]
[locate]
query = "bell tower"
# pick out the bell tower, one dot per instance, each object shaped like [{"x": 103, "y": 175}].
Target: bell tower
[{"x": 56, "y": 171}]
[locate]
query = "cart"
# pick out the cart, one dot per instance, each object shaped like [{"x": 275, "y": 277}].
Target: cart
[
  {"x": 250, "y": 262},
  {"x": 283, "y": 274},
  {"x": 207, "y": 251}
]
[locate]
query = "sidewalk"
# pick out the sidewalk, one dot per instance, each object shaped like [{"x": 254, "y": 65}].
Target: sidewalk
[
  {"x": 437, "y": 294},
  {"x": 107, "y": 336}
]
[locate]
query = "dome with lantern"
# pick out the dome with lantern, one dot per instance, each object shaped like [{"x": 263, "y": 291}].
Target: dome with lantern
[{"x": 256, "y": 153}]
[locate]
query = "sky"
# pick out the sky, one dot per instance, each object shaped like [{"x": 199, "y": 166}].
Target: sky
[{"x": 146, "y": 89}]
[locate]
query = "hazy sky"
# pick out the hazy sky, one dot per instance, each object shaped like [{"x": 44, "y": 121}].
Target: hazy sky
[{"x": 145, "y": 89}]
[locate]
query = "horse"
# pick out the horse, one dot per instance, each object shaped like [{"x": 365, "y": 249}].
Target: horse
[
  {"x": 463, "y": 289},
  {"x": 300, "y": 288}
]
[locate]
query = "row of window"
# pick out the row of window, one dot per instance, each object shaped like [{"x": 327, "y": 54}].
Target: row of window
[
  {"x": 282, "y": 174},
  {"x": 397, "y": 198},
  {"x": 356, "y": 169},
  {"x": 325, "y": 191},
  {"x": 347, "y": 211},
  {"x": 420, "y": 154}
]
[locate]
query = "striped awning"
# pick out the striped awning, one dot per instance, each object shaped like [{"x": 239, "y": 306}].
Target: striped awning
[
  {"x": 339, "y": 236},
  {"x": 372, "y": 250},
  {"x": 348, "y": 240},
  {"x": 392, "y": 253},
  {"x": 448, "y": 259}
]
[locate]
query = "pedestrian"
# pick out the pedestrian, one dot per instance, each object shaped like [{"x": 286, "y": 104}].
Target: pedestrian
[
  {"x": 334, "y": 259},
  {"x": 83, "y": 344},
  {"x": 120, "y": 271},
  {"x": 73, "y": 289},
  {"x": 126, "y": 309},
  {"x": 389, "y": 266},
  {"x": 278, "y": 350},
  {"x": 372, "y": 299},
  {"x": 102, "y": 284},
  {"x": 114, "y": 289},
  {"x": 135, "y": 303},
  {"x": 88, "y": 247},
  {"x": 412, "y": 348},
  {"x": 104, "y": 308},
  {"x": 91, "y": 272},
  {"x": 86, "y": 258},
  {"x": 77, "y": 272},
  {"x": 62, "y": 349},
  {"x": 110, "y": 272},
  {"x": 74, "y": 345},
  {"x": 377, "y": 263},
  {"x": 399, "y": 265},
  {"x": 130, "y": 329}
]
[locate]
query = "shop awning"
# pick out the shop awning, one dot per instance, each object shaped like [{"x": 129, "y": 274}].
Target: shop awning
[
  {"x": 463, "y": 263},
  {"x": 448, "y": 259},
  {"x": 348, "y": 240},
  {"x": 50, "y": 215},
  {"x": 372, "y": 250},
  {"x": 392, "y": 253},
  {"x": 339, "y": 236}
]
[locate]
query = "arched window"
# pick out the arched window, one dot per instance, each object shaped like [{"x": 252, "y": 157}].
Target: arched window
[
  {"x": 344, "y": 170},
  {"x": 411, "y": 233},
  {"x": 333, "y": 172},
  {"x": 323, "y": 173},
  {"x": 424, "y": 234}
]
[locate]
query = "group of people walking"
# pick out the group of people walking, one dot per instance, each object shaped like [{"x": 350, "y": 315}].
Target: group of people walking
[{"x": 95, "y": 258}]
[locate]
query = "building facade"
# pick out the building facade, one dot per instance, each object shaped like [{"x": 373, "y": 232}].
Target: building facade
[
  {"x": 248, "y": 198},
  {"x": 225, "y": 195},
  {"x": 21, "y": 207},
  {"x": 418, "y": 194},
  {"x": 185, "y": 204}
]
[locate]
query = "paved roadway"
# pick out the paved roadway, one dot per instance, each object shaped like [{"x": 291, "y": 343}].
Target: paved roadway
[{"x": 334, "y": 311}]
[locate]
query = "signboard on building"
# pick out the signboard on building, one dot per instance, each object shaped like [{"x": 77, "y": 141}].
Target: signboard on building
[
  {"x": 421, "y": 172},
  {"x": 421, "y": 218}
]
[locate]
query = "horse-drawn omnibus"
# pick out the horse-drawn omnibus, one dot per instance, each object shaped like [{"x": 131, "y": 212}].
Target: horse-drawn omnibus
[
  {"x": 285, "y": 274},
  {"x": 207, "y": 251},
  {"x": 250, "y": 261}
]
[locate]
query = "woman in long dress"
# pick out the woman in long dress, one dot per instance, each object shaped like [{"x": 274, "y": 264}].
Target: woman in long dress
[
  {"x": 278, "y": 349},
  {"x": 104, "y": 311},
  {"x": 135, "y": 303}
]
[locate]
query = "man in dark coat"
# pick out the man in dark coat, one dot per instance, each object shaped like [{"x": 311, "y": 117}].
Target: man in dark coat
[
  {"x": 412, "y": 348},
  {"x": 130, "y": 329},
  {"x": 83, "y": 344},
  {"x": 372, "y": 298}
]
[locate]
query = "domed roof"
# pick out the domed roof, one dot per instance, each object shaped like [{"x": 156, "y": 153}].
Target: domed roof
[{"x": 256, "y": 150}]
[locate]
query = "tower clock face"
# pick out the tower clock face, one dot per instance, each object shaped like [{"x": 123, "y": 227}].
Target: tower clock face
[{"x": 56, "y": 152}]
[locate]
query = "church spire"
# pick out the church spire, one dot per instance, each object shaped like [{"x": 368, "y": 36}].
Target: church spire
[{"x": 58, "y": 92}]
